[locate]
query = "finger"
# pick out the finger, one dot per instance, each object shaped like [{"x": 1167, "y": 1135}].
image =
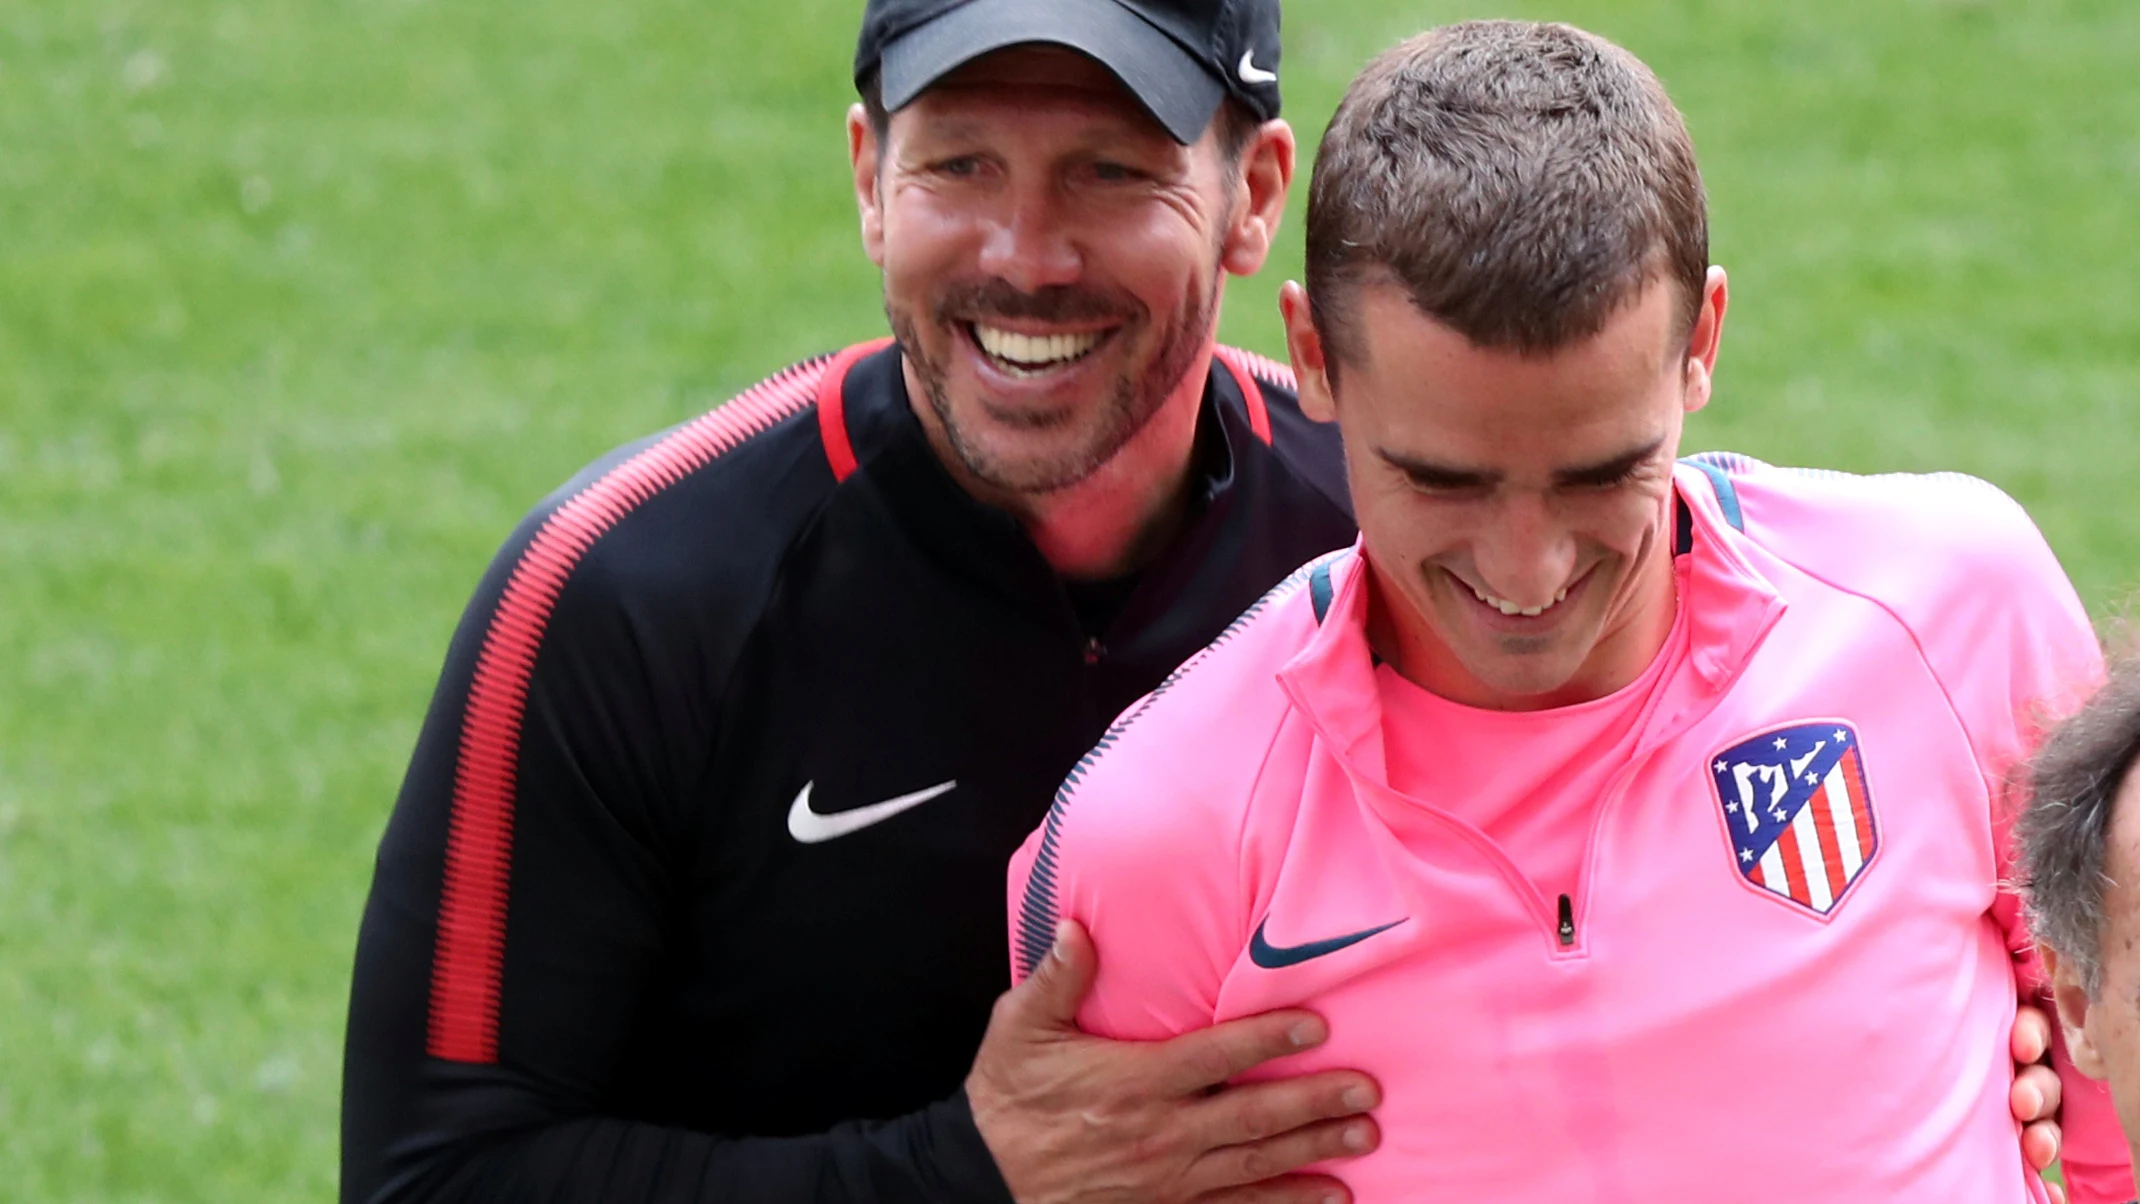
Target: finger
[
  {"x": 2058, "y": 1194},
  {"x": 1210, "y": 1056},
  {"x": 2036, "y": 1094},
  {"x": 2032, "y": 1034},
  {"x": 1047, "y": 1001},
  {"x": 1241, "y": 1115},
  {"x": 2039, "y": 1144},
  {"x": 1286, "y": 1189},
  {"x": 1236, "y": 1165},
  {"x": 2025, "y": 1097}
]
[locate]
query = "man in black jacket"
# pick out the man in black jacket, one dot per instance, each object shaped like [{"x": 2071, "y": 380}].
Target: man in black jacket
[{"x": 694, "y": 890}]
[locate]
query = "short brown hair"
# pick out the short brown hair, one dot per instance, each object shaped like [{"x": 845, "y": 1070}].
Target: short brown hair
[{"x": 1519, "y": 181}]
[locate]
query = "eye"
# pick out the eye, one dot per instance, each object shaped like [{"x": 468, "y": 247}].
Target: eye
[
  {"x": 1624, "y": 477},
  {"x": 1619, "y": 478},
  {"x": 1111, "y": 172},
  {"x": 1440, "y": 484},
  {"x": 1607, "y": 478},
  {"x": 958, "y": 167}
]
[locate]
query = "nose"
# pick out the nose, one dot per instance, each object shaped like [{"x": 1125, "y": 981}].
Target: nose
[
  {"x": 1526, "y": 553},
  {"x": 1030, "y": 246}
]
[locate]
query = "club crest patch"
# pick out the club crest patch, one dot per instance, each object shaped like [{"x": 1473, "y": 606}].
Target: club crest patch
[{"x": 1795, "y": 804}]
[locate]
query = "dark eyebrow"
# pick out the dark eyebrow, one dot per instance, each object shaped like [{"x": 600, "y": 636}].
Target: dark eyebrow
[
  {"x": 1438, "y": 476},
  {"x": 1610, "y": 471}
]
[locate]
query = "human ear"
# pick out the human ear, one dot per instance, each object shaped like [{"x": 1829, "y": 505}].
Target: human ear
[
  {"x": 1311, "y": 364},
  {"x": 1706, "y": 337},
  {"x": 864, "y": 156},
  {"x": 1265, "y": 172},
  {"x": 2072, "y": 1000}
]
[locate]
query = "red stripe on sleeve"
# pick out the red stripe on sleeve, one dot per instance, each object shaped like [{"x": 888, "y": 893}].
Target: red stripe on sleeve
[
  {"x": 468, "y": 961},
  {"x": 832, "y": 408}
]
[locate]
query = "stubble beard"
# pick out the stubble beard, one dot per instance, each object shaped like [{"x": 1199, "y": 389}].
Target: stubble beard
[{"x": 1129, "y": 404}]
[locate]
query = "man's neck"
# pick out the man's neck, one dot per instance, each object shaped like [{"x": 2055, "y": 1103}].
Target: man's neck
[{"x": 1121, "y": 517}]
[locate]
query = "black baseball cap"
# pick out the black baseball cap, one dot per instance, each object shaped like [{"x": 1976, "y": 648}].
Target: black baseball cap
[{"x": 1180, "y": 58}]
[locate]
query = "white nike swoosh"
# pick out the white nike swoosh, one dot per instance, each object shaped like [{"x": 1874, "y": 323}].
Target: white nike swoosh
[
  {"x": 809, "y": 827},
  {"x": 1252, "y": 74}
]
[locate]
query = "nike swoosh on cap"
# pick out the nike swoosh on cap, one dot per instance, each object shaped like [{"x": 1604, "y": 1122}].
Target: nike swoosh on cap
[
  {"x": 1277, "y": 957},
  {"x": 810, "y": 827},
  {"x": 1250, "y": 73}
]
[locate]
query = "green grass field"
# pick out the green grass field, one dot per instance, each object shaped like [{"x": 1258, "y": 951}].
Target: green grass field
[{"x": 303, "y": 302}]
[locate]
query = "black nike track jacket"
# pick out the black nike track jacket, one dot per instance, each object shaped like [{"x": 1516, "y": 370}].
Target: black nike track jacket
[{"x": 694, "y": 891}]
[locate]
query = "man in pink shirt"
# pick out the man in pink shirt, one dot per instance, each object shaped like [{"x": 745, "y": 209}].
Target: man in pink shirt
[{"x": 1588, "y": 779}]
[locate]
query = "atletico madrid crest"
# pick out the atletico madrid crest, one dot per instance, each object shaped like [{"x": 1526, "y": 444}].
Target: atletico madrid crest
[{"x": 1795, "y": 804}]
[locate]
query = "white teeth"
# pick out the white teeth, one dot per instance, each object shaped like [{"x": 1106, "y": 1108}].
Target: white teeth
[
  {"x": 1033, "y": 351},
  {"x": 1510, "y": 608}
]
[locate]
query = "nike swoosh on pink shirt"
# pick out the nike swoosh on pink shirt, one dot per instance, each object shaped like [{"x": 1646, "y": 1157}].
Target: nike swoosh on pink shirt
[{"x": 1277, "y": 957}]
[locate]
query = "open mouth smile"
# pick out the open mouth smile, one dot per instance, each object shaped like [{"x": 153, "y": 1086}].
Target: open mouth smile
[
  {"x": 1513, "y": 610},
  {"x": 1027, "y": 355}
]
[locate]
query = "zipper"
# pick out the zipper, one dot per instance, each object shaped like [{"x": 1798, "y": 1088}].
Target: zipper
[
  {"x": 1095, "y": 651},
  {"x": 1563, "y": 929}
]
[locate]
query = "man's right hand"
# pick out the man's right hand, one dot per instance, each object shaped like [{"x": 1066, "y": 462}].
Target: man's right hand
[{"x": 1075, "y": 1118}]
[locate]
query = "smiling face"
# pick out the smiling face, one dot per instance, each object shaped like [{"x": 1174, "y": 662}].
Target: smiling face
[
  {"x": 1052, "y": 261},
  {"x": 1516, "y": 509}
]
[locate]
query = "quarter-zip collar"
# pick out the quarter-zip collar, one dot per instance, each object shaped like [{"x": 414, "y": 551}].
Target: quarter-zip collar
[{"x": 1729, "y": 608}]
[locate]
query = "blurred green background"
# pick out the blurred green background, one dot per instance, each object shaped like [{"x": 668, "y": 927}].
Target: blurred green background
[{"x": 304, "y": 302}]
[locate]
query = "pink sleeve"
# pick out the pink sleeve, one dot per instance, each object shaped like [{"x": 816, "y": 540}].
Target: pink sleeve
[
  {"x": 2024, "y": 656},
  {"x": 1132, "y": 853}
]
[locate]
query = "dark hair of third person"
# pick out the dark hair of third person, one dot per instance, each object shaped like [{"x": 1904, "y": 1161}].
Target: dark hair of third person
[
  {"x": 1519, "y": 181},
  {"x": 2064, "y": 834}
]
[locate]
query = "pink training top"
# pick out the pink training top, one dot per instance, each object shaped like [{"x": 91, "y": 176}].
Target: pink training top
[{"x": 1784, "y": 970}]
